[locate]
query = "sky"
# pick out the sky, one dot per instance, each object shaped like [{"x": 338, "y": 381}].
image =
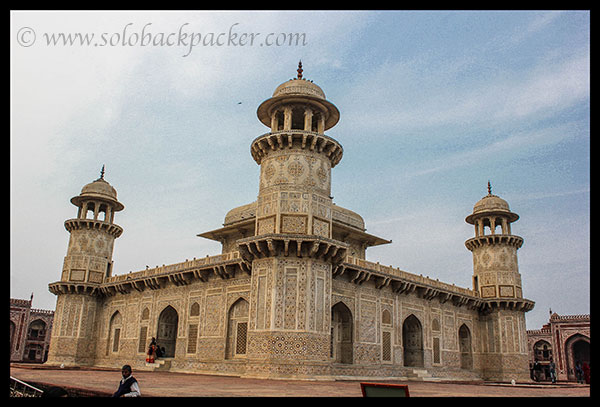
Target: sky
[{"x": 433, "y": 104}]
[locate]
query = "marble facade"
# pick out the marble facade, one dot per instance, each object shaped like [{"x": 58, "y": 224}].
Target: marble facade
[{"x": 292, "y": 294}]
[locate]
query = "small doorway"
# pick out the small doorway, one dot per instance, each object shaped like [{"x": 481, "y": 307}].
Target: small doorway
[
  {"x": 341, "y": 334},
  {"x": 167, "y": 331},
  {"x": 412, "y": 341},
  {"x": 466, "y": 352}
]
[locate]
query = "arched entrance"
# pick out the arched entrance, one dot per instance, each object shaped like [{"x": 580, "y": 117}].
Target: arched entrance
[
  {"x": 167, "y": 331},
  {"x": 577, "y": 349},
  {"x": 341, "y": 334},
  {"x": 412, "y": 341},
  {"x": 466, "y": 352}
]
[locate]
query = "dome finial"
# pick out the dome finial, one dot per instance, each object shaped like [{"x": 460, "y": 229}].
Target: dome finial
[
  {"x": 299, "y": 70},
  {"x": 489, "y": 188},
  {"x": 102, "y": 172}
]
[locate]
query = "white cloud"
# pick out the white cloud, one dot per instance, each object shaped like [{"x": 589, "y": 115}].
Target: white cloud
[
  {"x": 410, "y": 95},
  {"x": 537, "y": 23},
  {"x": 546, "y": 90},
  {"x": 511, "y": 144}
]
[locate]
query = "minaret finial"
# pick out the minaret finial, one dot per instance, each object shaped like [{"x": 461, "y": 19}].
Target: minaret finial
[
  {"x": 102, "y": 172},
  {"x": 299, "y": 70},
  {"x": 489, "y": 188}
]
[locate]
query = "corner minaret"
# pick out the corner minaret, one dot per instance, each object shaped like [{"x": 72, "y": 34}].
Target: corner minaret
[
  {"x": 86, "y": 266},
  {"x": 93, "y": 232},
  {"x": 497, "y": 281},
  {"x": 494, "y": 247}
]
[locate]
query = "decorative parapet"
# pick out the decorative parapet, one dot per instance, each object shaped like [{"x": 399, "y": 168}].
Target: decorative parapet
[
  {"x": 69, "y": 287},
  {"x": 403, "y": 282},
  {"x": 397, "y": 272},
  {"x": 359, "y": 270},
  {"x": 188, "y": 265},
  {"x": 579, "y": 317},
  {"x": 513, "y": 304},
  {"x": 304, "y": 139},
  {"x": 223, "y": 265},
  {"x": 539, "y": 331},
  {"x": 275, "y": 244},
  {"x": 17, "y": 302},
  {"x": 479, "y": 241},
  {"x": 42, "y": 311},
  {"x": 110, "y": 228}
]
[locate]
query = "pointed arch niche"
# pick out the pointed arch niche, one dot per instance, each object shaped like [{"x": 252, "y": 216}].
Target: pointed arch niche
[
  {"x": 237, "y": 329},
  {"x": 466, "y": 349},
  {"x": 114, "y": 333},
  {"x": 412, "y": 341}
]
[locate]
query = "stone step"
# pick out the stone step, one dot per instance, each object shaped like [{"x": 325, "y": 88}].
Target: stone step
[
  {"x": 419, "y": 374},
  {"x": 160, "y": 364},
  {"x": 164, "y": 367}
]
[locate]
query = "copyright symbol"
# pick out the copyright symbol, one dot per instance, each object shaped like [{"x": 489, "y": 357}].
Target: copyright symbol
[{"x": 26, "y": 37}]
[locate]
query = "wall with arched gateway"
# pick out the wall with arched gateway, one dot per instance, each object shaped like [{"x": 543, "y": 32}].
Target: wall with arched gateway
[{"x": 568, "y": 339}]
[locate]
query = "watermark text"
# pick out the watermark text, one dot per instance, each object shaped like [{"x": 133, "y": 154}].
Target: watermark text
[{"x": 146, "y": 35}]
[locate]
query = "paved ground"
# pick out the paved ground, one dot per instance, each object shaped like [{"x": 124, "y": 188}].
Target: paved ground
[{"x": 194, "y": 385}]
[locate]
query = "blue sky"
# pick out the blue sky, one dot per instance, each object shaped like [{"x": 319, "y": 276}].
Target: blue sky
[{"x": 433, "y": 105}]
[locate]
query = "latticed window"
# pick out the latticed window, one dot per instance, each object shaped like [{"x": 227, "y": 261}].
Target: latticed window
[
  {"x": 436, "y": 350},
  {"x": 192, "y": 338},
  {"x": 241, "y": 335},
  {"x": 143, "y": 337},
  {"x": 386, "y": 346},
  {"x": 116, "y": 340}
]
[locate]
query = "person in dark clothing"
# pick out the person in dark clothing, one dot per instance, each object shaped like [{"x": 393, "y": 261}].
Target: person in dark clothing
[
  {"x": 579, "y": 372},
  {"x": 552, "y": 369},
  {"x": 537, "y": 370},
  {"x": 128, "y": 386}
]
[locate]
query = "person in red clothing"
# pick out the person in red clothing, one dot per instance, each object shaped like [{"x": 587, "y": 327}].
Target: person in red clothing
[
  {"x": 586, "y": 372},
  {"x": 151, "y": 351}
]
